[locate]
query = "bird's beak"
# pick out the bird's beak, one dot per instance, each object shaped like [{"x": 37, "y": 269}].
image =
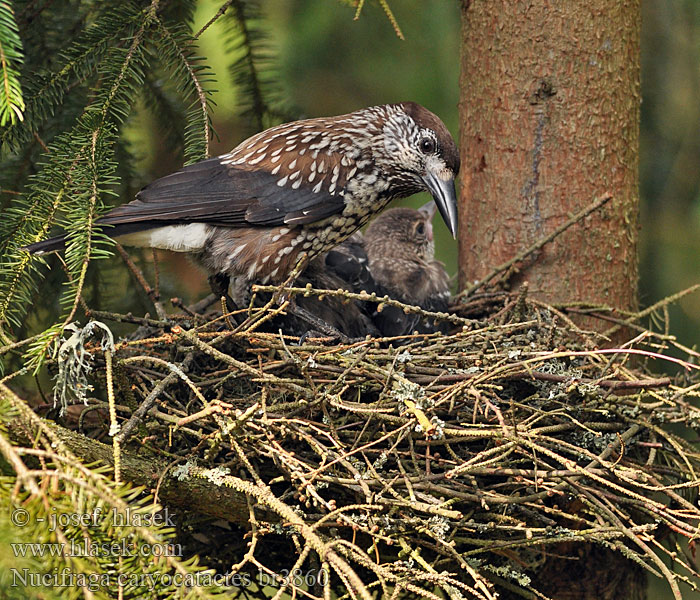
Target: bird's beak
[
  {"x": 443, "y": 192},
  {"x": 428, "y": 209}
]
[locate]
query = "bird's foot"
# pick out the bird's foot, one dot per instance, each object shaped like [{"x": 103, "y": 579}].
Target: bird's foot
[{"x": 219, "y": 283}]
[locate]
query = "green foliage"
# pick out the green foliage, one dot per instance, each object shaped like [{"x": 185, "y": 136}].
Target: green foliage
[
  {"x": 65, "y": 527},
  {"x": 189, "y": 77},
  {"x": 77, "y": 171},
  {"x": 87, "y": 66},
  {"x": 11, "y": 101},
  {"x": 253, "y": 67}
]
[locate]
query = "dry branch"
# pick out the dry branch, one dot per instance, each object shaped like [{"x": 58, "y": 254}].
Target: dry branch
[{"x": 454, "y": 462}]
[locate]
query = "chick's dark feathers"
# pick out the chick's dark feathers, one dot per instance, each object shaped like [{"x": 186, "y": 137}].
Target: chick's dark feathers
[{"x": 394, "y": 258}]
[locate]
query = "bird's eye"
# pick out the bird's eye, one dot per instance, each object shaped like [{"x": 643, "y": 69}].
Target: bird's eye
[
  {"x": 420, "y": 229},
  {"x": 427, "y": 146}
]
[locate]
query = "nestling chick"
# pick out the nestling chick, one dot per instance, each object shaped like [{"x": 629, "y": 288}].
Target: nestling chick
[
  {"x": 395, "y": 257},
  {"x": 401, "y": 256},
  {"x": 401, "y": 252}
]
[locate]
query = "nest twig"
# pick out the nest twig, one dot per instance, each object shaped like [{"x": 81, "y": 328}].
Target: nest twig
[{"x": 452, "y": 462}]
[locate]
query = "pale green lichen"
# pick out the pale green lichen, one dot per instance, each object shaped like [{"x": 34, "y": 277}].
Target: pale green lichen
[
  {"x": 217, "y": 476},
  {"x": 439, "y": 431},
  {"x": 404, "y": 357},
  {"x": 75, "y": 362},
  {"x": 184, "y": 471},
  {"x": 439, "y": 526}
]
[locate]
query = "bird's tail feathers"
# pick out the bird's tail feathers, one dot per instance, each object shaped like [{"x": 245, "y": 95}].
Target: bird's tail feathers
[{"x": 53, "y": 244}]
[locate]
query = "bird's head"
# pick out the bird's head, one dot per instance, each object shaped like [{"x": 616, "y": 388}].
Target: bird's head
[
  {"x": 403, "y": 232},
  {"x": 422, "y": 149}
]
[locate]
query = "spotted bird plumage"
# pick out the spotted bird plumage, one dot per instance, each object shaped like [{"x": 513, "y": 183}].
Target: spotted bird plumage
[{"x": 300, "y": 187}]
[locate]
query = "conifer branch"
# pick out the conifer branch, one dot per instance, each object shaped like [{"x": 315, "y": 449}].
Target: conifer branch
[
  {"x": 202, "y": 95},
  {"x": 224, "y": 7},
  {"x": 253, "y": 71},
  {"x": 95, "y": 124},
  {"x": 11, "y": 101}
]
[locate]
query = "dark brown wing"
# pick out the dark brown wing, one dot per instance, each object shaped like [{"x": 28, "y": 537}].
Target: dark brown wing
[
  {"x": 216, "y": 193},
  {"x": 291, "y": 174}
]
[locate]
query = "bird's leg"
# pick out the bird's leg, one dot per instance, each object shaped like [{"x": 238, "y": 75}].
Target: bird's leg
[{"x": 220, "y": 284}]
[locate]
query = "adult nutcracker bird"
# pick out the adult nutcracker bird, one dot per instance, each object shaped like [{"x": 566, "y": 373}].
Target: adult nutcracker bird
[{"x": 301, "y": 187}]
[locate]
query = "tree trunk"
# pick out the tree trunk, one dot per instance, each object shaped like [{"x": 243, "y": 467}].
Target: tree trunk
[{"x": 550, "y": 121}]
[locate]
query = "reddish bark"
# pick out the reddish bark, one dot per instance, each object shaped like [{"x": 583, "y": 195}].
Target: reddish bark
[{"x": 550, "y": 121}]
